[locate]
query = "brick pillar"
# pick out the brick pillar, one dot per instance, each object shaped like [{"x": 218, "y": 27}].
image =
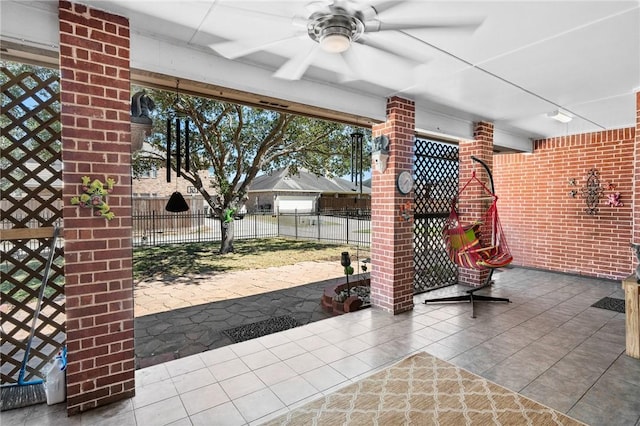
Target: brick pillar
[
  {"x": 636, "y": 179},
  {"x": 470, "y": 207},
  {"x": 392, "y": 269},
  {"x": 95, "y": 94}
]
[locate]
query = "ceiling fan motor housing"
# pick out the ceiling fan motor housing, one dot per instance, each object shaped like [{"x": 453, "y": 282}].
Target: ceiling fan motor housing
[{"x": 338, "y": 23}]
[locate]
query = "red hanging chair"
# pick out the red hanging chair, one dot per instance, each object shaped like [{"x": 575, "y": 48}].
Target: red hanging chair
[
  {"x": 475, "y": 242},
  {"x": 479, "y": 243}
]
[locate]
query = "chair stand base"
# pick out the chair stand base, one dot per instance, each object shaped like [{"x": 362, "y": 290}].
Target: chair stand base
[{"x": 471, "y": 297}]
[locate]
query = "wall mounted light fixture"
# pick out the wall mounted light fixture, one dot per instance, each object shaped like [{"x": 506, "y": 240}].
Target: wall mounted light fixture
[
  {"x": 561, "y": 116},
  {"x": 380, "y": 153}
]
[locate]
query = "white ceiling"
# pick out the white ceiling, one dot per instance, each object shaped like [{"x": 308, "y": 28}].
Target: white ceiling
[{"x": 520, "y": 61}]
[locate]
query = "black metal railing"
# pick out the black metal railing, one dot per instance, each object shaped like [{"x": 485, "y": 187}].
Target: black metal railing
[{"x": 343, "y": 227}]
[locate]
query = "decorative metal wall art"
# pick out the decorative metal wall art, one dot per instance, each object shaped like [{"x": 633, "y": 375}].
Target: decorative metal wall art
[
  {"x": 592, "y": 192},
  {"x": 94, "y": 196},
  {"x": 613, "y": 197},
  {"x": 573, "y": 192}
]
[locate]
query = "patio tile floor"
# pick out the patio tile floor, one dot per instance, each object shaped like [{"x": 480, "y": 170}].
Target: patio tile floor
[{"x": 548, "y": 344}]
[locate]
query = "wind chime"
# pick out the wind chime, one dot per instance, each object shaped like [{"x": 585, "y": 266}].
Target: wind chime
[
  {"x": 177, "y": 202},
  {"x": 356, "y": 159}
]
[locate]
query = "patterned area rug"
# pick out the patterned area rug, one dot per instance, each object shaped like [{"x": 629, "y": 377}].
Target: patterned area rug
[
  {"x": 424, "y": 390},
  {"x": 611, "y": 304}
]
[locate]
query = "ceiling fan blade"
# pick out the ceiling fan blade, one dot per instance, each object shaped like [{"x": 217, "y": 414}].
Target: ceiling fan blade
[
  {"x": 295, "y": 67},
  {"x": 371, "y": 64},
  {"x": 238, "y": 48},
  {"x": 376, "y": 26},
  {"x": 377, "y": 44},
  {"x": 354, "y": 65},
  {"x": 385, "y": 5}
]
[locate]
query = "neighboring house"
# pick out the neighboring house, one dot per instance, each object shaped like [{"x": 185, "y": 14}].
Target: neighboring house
[
  {"x": 154, "y": 183},
  {"x": 304, "y": 192},
  {"x": 151, "y": 191}
]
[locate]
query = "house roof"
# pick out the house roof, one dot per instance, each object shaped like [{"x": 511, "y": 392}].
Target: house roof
[{"x": 304, "y": 181}]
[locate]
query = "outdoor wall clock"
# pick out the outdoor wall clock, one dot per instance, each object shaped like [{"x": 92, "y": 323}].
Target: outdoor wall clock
[{"x": 405, "y": 182}]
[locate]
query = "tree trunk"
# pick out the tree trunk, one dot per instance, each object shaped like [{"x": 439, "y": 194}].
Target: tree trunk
[{"x": 227, "y": 236}]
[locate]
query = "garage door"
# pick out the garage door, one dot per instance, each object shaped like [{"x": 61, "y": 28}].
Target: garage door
[{"x": 293, "y": 204}]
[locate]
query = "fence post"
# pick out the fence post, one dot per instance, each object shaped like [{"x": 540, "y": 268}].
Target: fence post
[
  {"x": 255, "y": 226},
  {"x": 295, "y": 219},
  {"x": 153, "y": 226},
  {"x": 318, "y": 223},
  {"x": 347, "y": 226}
]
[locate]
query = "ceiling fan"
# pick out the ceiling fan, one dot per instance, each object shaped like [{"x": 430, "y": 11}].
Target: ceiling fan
[{"x": 337, "y": 27}]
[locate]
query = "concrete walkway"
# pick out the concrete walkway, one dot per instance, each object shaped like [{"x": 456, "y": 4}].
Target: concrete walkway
[{"x": 188, "y": 315}]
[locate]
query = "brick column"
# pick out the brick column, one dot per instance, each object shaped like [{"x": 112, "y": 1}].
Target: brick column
[
  {"x": 636, "y": 179},
  {"x": 470, "y": 207},
  {"x": 392, "y": 269},
  {"x": 95, "y": 94}
]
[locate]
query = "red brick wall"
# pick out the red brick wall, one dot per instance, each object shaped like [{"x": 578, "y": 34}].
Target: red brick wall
[
  {"x": 470, "y": 207},
  {"x": 636, "y": 176},
  {"x": 95, "y": 94},
  {"x": 548, "y": 229},
  {"x": 158, "y": 186},
  {"x": 392, "y": 240}
]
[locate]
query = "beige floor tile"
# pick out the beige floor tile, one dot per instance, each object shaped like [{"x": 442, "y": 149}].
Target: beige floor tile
[
  {"x": 216, "y": 356},
  {"x": 242, "y": 385},
  {"x": 228, "y": 369},
  {"x": 275, "y": 373},
  {"x": 184, "y": 365},
  {"x": 304, "y": 362},
  {"x": 324, "y": 378},
  {"x": 193, "y": 380},
  {"x": 258, "y": 404},
  {"x": 161, "y": 413},
  {"x": 153, "y": 393},
  {"x": 260, "y": 359},
  {"x": 203, "y": 398},
  {"x": 293, "y": 390},
  {"x": 222, "y": 415}
]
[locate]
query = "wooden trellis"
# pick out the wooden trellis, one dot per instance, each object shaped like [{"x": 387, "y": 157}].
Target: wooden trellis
[{"x": 31, "y": 185}]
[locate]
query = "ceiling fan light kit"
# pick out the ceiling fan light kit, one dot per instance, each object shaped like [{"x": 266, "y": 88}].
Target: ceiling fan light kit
[
  {"x": 335, "y": 42},
  {"x": 335, "y": 32}
]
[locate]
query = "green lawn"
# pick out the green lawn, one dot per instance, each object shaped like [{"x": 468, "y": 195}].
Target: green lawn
[{"x": 203, "y": 258}]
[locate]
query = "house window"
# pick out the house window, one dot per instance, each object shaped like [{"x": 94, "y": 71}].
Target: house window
[{"x": 152, "y": 173}]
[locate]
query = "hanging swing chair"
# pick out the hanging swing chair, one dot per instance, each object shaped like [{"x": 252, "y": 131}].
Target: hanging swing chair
[{"x": 477, "y": 243}]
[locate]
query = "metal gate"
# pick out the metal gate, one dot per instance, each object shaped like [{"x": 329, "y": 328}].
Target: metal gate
[{"x": 436, "y": 183}]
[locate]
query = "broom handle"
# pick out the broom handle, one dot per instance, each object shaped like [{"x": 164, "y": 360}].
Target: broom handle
[{"x": 36, "y": 314}]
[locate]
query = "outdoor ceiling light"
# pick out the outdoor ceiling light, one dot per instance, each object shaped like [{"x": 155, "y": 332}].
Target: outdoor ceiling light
[
  {"x": 335, "y": 39},
  {"x": 561, "y": 116},
  {"x": 335, "y": 31}
]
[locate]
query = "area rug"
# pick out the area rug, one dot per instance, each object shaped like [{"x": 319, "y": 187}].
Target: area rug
[
  {"x": 424, "y": 390},
  {"x": 611, "y": 304},
  {"x": 260, "y": 328}
]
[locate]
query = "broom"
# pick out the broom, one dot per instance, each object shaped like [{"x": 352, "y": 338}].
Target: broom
[{"x": 25, "y": 393}]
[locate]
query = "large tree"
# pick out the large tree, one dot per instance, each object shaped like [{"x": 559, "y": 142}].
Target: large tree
[{"x": 238, "y": 142}]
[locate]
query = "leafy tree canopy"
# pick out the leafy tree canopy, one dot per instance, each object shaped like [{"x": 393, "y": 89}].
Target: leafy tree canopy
[{"x": 238, "y": 142}]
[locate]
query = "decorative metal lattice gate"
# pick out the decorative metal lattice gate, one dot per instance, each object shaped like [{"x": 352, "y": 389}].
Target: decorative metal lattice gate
[
  {"x": 436, "y": 183},
  {"x": 31, "y": 184}
]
